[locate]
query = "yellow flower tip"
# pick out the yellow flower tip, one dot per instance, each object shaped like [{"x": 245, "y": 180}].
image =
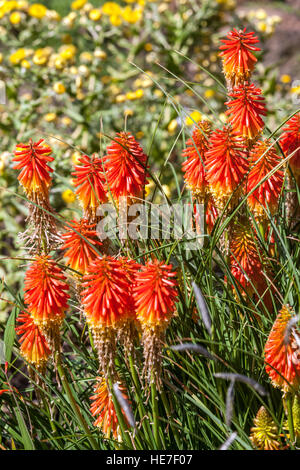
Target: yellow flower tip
[
  {"x": 68, "y": 196},
  {"x": 50, "y": 117},
  {"x": 172, "y": 126},
  {"x": 193, "y": 118},
  {"x": 75, "y": 157},
  {"x": 59, "y": 88},
  {"x": 285, "y": 78},
  {"x": 209, "y": 93},
  {"x": 78, "y": 4},
  {"x": 15, "y": 18},
  {"x": 37, "y": 10},
  {"x": 264, "y": 434},
  {"x": 115, "y": 20},
  {"x": 95, "y": 14},
  {"x": 25, "y": 64}
]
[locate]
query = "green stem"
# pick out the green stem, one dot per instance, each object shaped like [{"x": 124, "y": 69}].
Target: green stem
[
  {"x": 154, "y": 399},
  {"x": 289, "y": 404},
  {"x": 73, "y": 403}
]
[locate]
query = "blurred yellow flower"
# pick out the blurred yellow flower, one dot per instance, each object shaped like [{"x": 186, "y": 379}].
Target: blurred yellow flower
[
  {"x": 148, "y": 47},
  {"x": 130, "y": 15},
  {"x": 295, "y": 89},
  {"x": 75, "y": 157},
  {"x": 100, "y": 54},
  {"x": 66, "y": 121},
  {"x": 158, "y": 93},
  {"x": 6, "y": 7},
  {"x": 120, "y": 98},
  {"x": 193, "y": 118},
  {"x": 50, "y": 117},
  {"x": 41, "y": 56},
  {"x": 139, "y": 93},
  {"x": 128, "y": 112},
  {"x": 115, "y": 20},
  {"x": 95, "y": 14},
  {"x": 37, "y": 10},
  {"x": 111, "y": 8},
  {"x": 86, "y": 56},
  {"x": 130, "y": 95},
  {"x": 262, "y": 26},
  {"x": 22, "y": 5},
  {"x": 17, "y": 56},
  {"x": 59, "y": 88},
  {"x": 167, "y": 190},
  {"x": 223, "y": 117},
  {"x": 105, "y": 79},
  {"x": 2, "y": 166},
  {"x": 68, "y": 51},
  {"x": 68, "y": 196},
  {"x": 78, "y": 4},
  {"x": 15, "y": 18},
  {"x": 261, "y": 14},
  {"x": 285, "y": 78},
  {"x": 209, "y": 93},
  {"x": 148, "y": 188},
  {"x": 172, "y": 126},
  {"x": 26, "y": 64},
  {"x": 1, "y": 58}
]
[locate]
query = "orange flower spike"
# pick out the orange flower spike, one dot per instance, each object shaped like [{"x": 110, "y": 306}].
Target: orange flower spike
[
  {"x": 46, "y": 291},
  {"x": 34, "y": 346},
  {"x": 211, "y": 215},
  {"x": 263, "y": 159},
  {"x": 226, "y": 165},
  {"x": 282, "y": 361},
  {"x": 246, "y": 265},
  {"x": 89, "y": 180},
  {"x": 79, "y": 252},
  {"x": 245, "y": 110},
  {"x": 103, "y": 408},
  {"x": 125, "y": 164},
  {"x": 155, "y": 293},
  {"x": 106, "y": 295},
  {"x": 290, "y": 142},
  {"x": 237, "y": 55},
  {"x": 194, "y": 166},
  {"x": 32, "y": 159}
]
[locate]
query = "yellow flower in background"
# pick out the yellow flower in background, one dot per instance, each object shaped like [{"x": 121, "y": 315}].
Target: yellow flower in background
[
  {"x": 22, "y": 5},
  {"x": 68, "y": 196},
  {"x": 26, "y": 64},
  {"x": 67, "y": 52},
  {"x": 17, "y": 56},
  {"x": 128, "y": 112},
  {"x": 140, "y": 135},
  {"x": 285, "y": 78},
  {"x": 209, "y": 93},
  {"x": 132, "y": 16},
  {"x": 148, "y": 188},
  {"x": 50, "y": 117},
  {"x": 262, "y": 26},
  {"x": 86, "y": 56},
  {"x": 120, "y": 98},
  {"x": 15, "y": 18},
  {"x": 115, "y": 20},
  {"x": 66, "y": 121},
  {"x": 193, "y": 118},
  {"x": 148, "y": 47},
  {"x": 130, "y": 95},
  {"x": 99, "y": 54},
  {"x": 111, "y": 9},
  {"x": 59, "y": 88},
  {"x": 295, "y": 89},
  {"x": 41, "y": 56},
  {"x": 75, "y": 157},
  {"x": 95, "y": 14},
  {"x": 78, "y": 4},
  {"x": 37, "y": 10},
  {"x": 261, "y": 14},
  {"x": 6, "y": 7},
  {"x": 167, "y": 190},
  {"x": 1, "y": 58},
  {"x": 172, "y": 126},
  {"x": 139, "y": 93}
]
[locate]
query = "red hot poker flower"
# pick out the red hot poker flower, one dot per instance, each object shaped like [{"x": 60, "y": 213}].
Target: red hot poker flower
[
  {"x": 32, "y": 159},
  {"x": 155, "y": 293},
  {"x": 263, "y": 159},
  {"x": 46, "y": 292},
  {"x": 237, "y": 54},
  {"x": 194, "y": 166},
  {"x": 79, "y": 252},
  {"x": 283, "y": 360},
  {"x": 290, "y": 142},
  {"x": 103, "y": 408},
  {"x": 226, "y": 165},
  {"x": 106, "y": 295},
  {"x": 34, "y": 346},
  {"x": 89, "y": 180},
  {"x": 245, "y": 110},
  {"x": 125, "y": 164}
]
